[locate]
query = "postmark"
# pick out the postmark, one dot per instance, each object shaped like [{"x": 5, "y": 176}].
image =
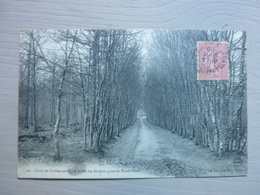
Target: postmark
[{"x": 213, "y": 62}]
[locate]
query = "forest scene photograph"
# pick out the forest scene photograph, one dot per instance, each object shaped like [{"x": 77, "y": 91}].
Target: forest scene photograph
[{"x": 132, "y": 103}]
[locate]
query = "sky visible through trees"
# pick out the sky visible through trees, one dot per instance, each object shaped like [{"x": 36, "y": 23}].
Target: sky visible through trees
[{"x": 96, "y": 81}]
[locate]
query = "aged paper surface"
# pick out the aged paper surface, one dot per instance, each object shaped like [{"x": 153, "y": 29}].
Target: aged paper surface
[{"x": 132, "y": 103}]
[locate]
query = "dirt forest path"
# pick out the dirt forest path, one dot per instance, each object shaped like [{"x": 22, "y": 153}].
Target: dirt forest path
[{"x": 160, "y": 152}]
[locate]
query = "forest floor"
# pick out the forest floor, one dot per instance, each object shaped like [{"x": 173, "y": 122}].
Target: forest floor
[{"x": 143, "y": 146}]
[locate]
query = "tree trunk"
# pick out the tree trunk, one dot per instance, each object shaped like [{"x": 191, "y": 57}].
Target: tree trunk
[{"x": 58, "y": 117}]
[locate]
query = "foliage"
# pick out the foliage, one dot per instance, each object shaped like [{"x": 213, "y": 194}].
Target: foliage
[{"x": 210, "y": 112}]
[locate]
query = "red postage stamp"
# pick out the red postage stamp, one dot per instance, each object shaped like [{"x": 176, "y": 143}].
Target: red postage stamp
[{"x": 213, "y": 61}]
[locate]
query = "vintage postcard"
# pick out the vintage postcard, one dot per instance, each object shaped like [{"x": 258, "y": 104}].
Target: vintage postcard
[{"x": 132, "y": 103}]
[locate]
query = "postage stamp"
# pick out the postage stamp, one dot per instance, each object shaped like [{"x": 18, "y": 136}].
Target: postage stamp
[{"x": 213, "y": 61}]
